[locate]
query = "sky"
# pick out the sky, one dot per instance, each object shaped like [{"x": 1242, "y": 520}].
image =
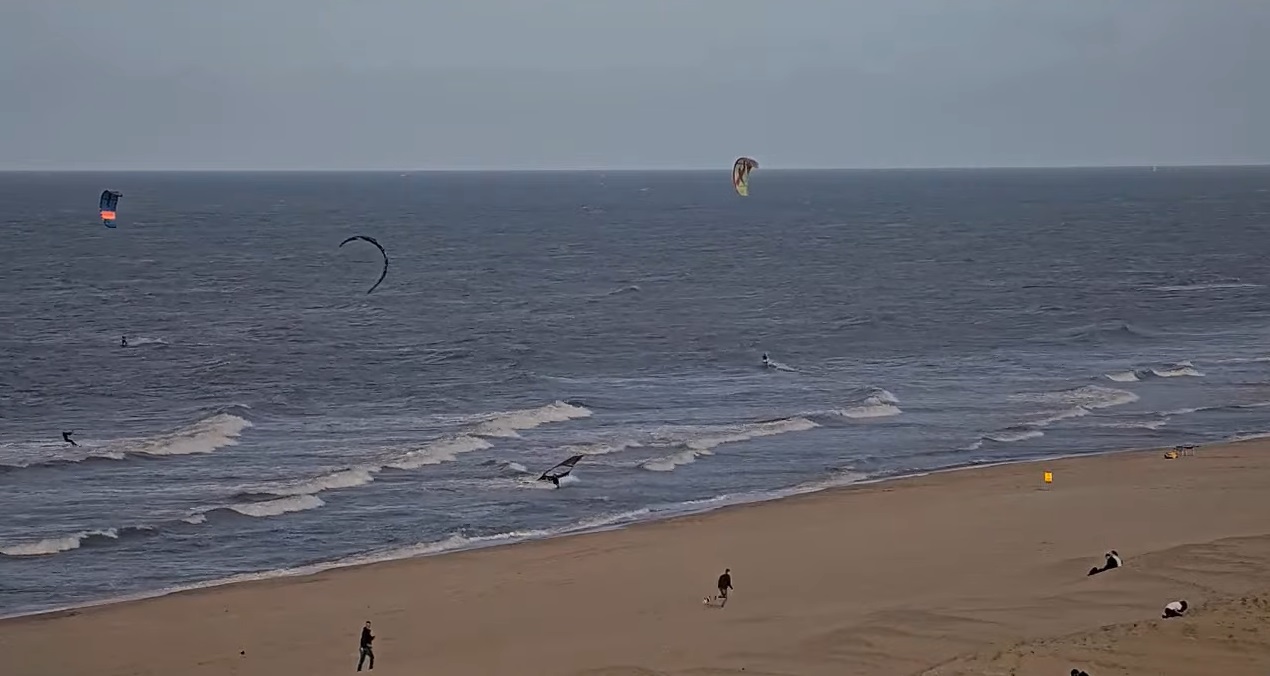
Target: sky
[{"x": 644, "y": 84}]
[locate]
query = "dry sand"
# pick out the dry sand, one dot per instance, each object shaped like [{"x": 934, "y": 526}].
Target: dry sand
[{"x": 970, "y": 572}]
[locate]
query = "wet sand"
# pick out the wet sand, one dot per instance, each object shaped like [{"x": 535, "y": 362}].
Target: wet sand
[{"x": 970, "y": 572}]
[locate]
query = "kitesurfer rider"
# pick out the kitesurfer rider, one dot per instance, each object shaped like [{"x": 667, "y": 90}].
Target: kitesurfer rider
[
  {"x": 123, "y": 341},
  {"x": 366, "y": 650},
  {"x": 66, "y": 436}
]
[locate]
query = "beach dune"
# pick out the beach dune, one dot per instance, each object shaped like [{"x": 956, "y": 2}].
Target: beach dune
[{"x": 970, "y": 572}]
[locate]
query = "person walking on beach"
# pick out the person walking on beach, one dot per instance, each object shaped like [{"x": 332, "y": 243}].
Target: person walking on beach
[
  {"x": 366, "y": 650},
  {"x": 725, "y": 583}
]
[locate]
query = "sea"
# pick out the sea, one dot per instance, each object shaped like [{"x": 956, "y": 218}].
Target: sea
[{"x": 269, "y": 417}]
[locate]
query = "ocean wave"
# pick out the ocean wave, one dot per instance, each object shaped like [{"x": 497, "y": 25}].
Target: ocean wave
[
  {"x": 437, "y": 452},
  {"x": 601, "y": 447},
  {"x": 508, "y": 424},
  {"x": 205, "y": 436},
  {"x": 879, "y": 404},
  {"x": 143, "y": 341},
  {"x": 1088, "y": 396},
  {"x": 346, "y": 478},
  {"x": 703, "y": 441},
  {"x": 1123, "y": 377},
  {"x": 1012, "y": 435},
  {"x": 267, "y": 508},
  {"x": 64, "y": 543},
  {"x": 1182, "y": 368},
  {"x": 1215, "y": 286},
  {"x": 1107, "y": 331},
  {"x": 1136, "y": 425}
]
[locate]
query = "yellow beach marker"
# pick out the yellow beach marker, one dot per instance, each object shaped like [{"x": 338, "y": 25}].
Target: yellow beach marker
[{"x": 1049, "y": 477}]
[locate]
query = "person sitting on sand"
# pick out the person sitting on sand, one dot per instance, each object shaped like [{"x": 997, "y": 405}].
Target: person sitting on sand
[
  {"x": 366, "y": 650},
  {"x": 1113, "y": 561},
  {"x": 1174, "y": 609},
  {"x": 1078, "y": 672},
  {"x": 725, "y": 583}
]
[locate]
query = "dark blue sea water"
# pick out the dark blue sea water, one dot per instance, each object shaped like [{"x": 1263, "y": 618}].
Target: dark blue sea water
[{"x": 269, "y": 415}]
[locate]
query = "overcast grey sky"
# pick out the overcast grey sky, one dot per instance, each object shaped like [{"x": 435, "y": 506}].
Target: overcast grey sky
[{"x": 516, "y": 84}]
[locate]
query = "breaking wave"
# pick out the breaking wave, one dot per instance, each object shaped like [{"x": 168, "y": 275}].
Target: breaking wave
[
  {"x": 1106, "y": 331},
  {"x": 204, "y": 436},
  {"x": 704, "y": 440},
  {"x": 66, "y": 543}
]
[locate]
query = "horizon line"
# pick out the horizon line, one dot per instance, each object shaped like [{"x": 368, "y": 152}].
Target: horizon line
[{"x": 697, "y": 169}]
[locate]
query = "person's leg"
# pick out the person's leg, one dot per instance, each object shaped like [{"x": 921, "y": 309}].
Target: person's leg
[
  {"x": 361, "y": 659},
  {"x": 371, "y": 653}
]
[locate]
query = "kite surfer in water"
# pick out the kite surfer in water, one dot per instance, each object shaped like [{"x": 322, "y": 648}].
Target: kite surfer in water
[
  {"x": 66, "y": 436},
  {"x": 767, "y": 363},
  {"x": 123, "y": 341}
]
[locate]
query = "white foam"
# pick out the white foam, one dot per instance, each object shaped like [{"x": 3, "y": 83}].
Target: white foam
[
  {"x": 881, "y": 404},
  {"x": 1206, "y": 287},
  {"x": 1089, "y": 397},
  {"x": 1058, "y": 416},
  {"x": 872, "y": 411},
  {"x": 1123, "y": 377},
  {"x": 1180, "y": 369},
  {"x": 437, "y": 452},
  {"x": 297, "y": 503},
  {"x": 1147, "y": 425},
  {"x": 54, "y": 545},
  {"x": 702, "y": 441},
  {"x": 1010, "y": 436},
  {"x": 509, "y": 423},
  {"x": 1251, "y": 437},
  {"x": 349, "y": 478},
  {"x": 601, "y": 447},
  {"x": 204, "y": 436}
]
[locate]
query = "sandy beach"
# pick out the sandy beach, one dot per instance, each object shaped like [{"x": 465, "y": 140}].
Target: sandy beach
[{"x": 970, "y": 572}]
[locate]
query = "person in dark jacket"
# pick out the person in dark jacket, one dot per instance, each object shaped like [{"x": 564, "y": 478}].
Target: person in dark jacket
[
  {"x": 366, "y": 650},
  {"x": 725, "y": 583}
]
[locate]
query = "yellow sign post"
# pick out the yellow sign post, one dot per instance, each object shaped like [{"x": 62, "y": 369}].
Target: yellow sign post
[{"x": 1049, "y": 477}]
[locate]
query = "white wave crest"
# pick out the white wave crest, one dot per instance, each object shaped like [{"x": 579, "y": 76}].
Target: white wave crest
[
  {"x": 55, "y": 545},
  {"x": 1058, "y": 416},
  {"x": 1089, "y": 397},
  {"x": 297, "y": 503},
  {"x": 702, "y": 442},
  {"x": 1010, "y": 436},
  {"x": 1123, "y": 377},
  {"x": 437, "y": 452},
  {"x": 1217, "y": 286},
  {"x": 348, "y": 478},
  {"x": 1138, "y": 425},
  {"x": 601, "y": 447},
  {"x": 509, "y": 423},
  {"x": 204, "y": 436},
  {"x": 880, "y": 404},
  {"x": 1180, "y": 369}
]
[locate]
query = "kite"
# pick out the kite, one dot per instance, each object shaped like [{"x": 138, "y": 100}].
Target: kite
[
  {"x": 555, "y": 474},
  {"x": 741, "y": 175},
  {"x": 381, "y": 251},
  {"x": 109, "y": 201}
]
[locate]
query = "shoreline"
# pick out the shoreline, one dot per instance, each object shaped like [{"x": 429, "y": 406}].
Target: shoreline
[
  {"x": 911, "y": 576},
  {"x": 407, "y": 553}
]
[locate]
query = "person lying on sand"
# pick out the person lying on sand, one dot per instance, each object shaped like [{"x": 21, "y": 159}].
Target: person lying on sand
[
  {"x": 1113, "y": 561},
  {"x": 1078, "y": 672},
  {"x": 1174, "y": 609}
]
